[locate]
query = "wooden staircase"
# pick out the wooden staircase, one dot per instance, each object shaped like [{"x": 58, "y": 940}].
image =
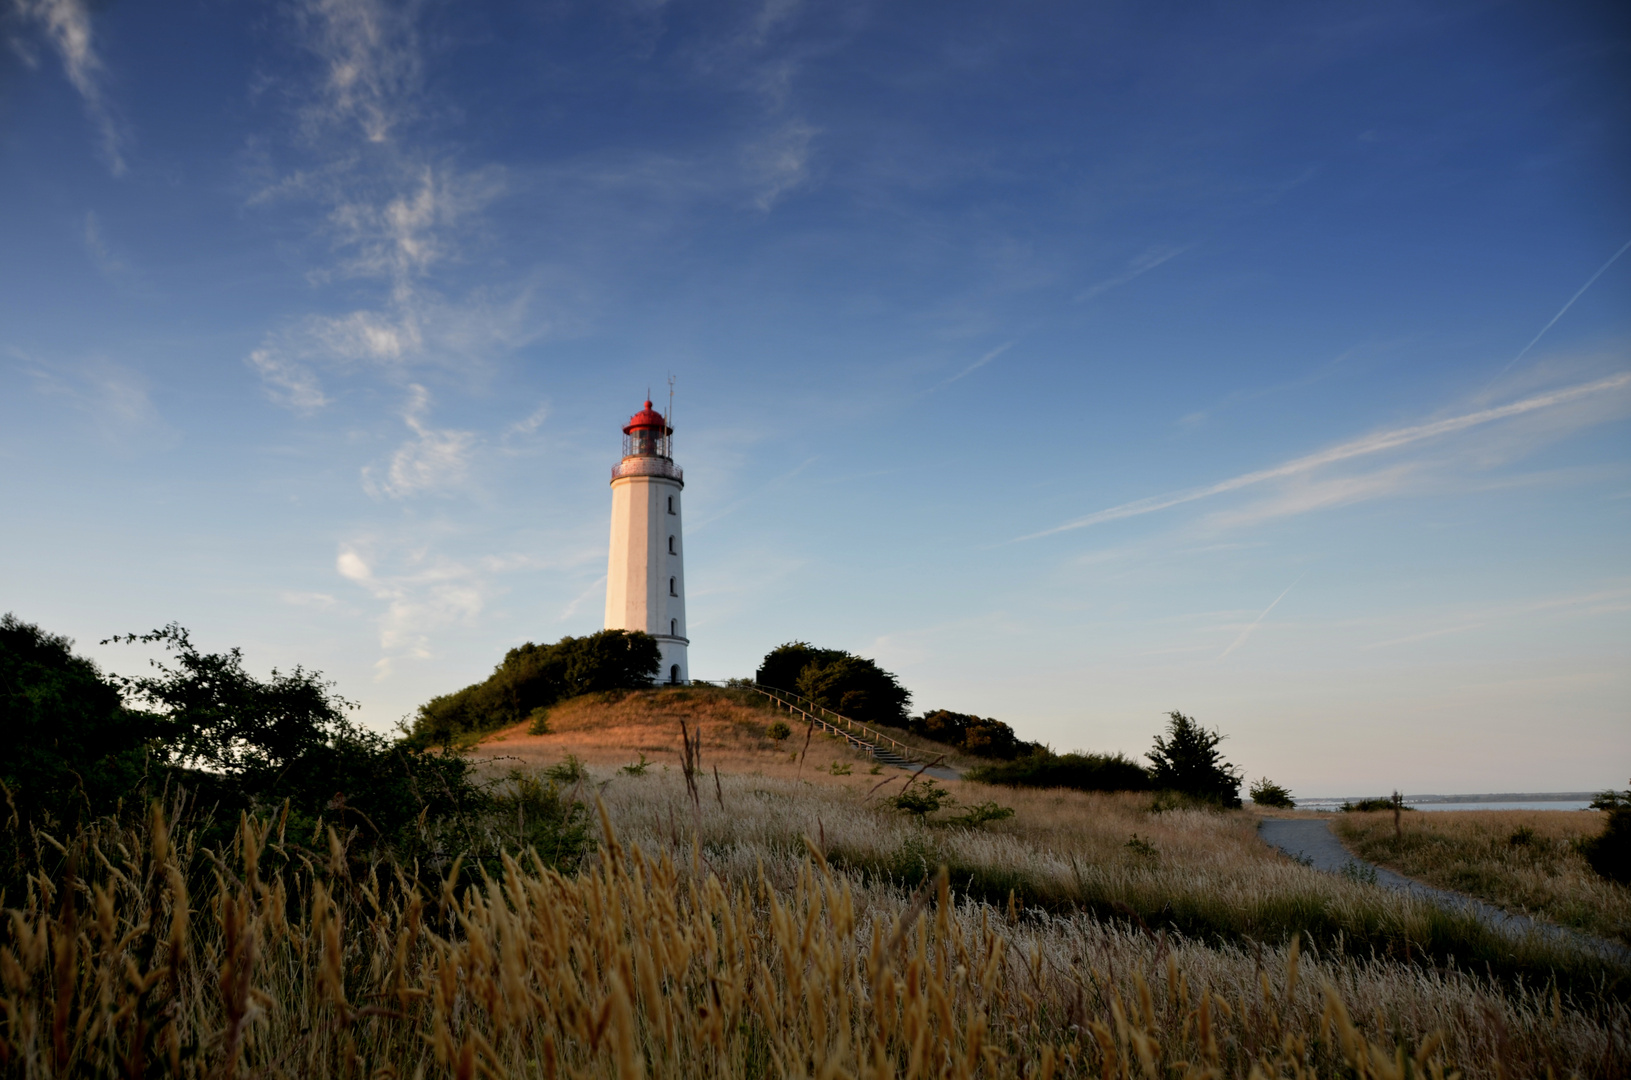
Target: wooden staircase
[{"x": 869, "y": 741}]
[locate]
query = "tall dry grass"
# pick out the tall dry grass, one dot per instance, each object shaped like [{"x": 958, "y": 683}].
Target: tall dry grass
[
  {"x": 140, "y": 956},
  {"x": 1522, "y": 860}
]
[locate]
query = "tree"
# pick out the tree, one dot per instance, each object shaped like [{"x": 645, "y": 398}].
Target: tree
[
  {"x": 783, "y": 664},
  {"x": 1187, "y": 761},
  {"x": 1609, "y": 852},
  {"x": 67, "y": 741},
  {"x": 843, "y": 682},
  {"x": 976, "y": 735},
  {"x": 245, "y": 743}
]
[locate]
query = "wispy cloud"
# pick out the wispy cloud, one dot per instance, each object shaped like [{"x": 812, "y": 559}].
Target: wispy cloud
[
  {"x": 114, "y": 399},
  {"x": 435, "y": 459},
  {"x": 426, "y": 594},
  {"x": 1612, "y": 600},
  {"x": 779, "y": 162},
  {"x": 1370, "y": 444},
  {"x": 66, "y": 24}
]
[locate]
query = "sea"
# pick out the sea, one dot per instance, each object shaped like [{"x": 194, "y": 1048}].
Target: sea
[{"x": 1581, "y": 803}]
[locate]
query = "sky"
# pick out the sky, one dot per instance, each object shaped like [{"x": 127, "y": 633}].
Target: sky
[{"x": 1270, "y": 362}]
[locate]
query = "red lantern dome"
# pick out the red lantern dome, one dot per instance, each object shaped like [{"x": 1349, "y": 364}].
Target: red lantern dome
[{"x": 648, "y": 418}]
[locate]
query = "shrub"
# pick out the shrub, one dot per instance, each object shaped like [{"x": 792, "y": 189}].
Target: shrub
[
  {"x": 841, "y": 768},
  {"x": 1267, "y": 793},
  {"x": 980, "y": 813},
  {"x": 534, "y": 677},
  {"x": 569, "y": 770},
  {"x": 779, "y": 730},
  {"x": 637, "y": 768},
  {"x": 921, "y": 799},
  {"x": 1609, "y": 852},
  {"x": 1187, "y": 760},
  {"x": 979, "y": 736},
  {"x": 1042, "y": 768},
  {"x": 1368, "y": 805}
]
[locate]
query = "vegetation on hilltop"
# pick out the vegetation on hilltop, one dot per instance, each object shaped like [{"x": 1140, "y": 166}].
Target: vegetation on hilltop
[
  {"x": 531, "y": 678},
  {"x": 841, "y": 681},
  {"x": 1043, "y": 768},
  {"x": 979, "y": 736}
]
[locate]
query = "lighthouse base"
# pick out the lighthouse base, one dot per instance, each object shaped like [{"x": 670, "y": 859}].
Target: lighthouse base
[{"x": 675, "y": 670}]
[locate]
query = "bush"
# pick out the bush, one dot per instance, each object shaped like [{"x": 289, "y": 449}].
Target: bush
[
  {"x": 779, "y": 730},
  {"x": 1368, "y": 805},
  {"x": 980, "y": 813},
  {"x": 847, "y": 684},
  {"x": 1187, "y": 761},
  {"x": 1043, "y": 768},
  {"x": 979, "y": 736},
  {"x": 921, "y": 799},
  {"x": 534, "y": 677},
  {"x": 1609, "y": 852},
  {"x": 1267, "y": 793}
]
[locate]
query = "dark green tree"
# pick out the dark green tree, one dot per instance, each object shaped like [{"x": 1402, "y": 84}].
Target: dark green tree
[
  {"x": 843, "y": 682},
  {"x": 857, "y": 688},
  {"x": 68, "y": 744},
  {"x": 976, "y": 735},
  {"x": 784, "y": 664},
  {"x": 1267, "y": 793},
  {"x": 1609, "y": 852},
  {"x": 1187, "y": 761}
]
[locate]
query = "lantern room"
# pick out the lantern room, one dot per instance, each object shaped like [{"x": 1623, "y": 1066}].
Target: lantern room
[{"x": 647, "y": 434}]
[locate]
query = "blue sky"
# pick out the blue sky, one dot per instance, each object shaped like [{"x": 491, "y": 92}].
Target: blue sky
[{"x": 1077, "y": 362}]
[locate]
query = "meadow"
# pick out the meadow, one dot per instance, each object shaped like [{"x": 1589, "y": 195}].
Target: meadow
[
  {"x": 765, "y": 916},
  {"x": 1522, "y": 860}
]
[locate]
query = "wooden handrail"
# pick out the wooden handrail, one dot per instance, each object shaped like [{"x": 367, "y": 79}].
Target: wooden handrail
[{"x": 781, "y": 698}]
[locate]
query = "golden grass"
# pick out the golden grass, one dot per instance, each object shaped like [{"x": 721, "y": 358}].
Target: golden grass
[
  {"x": 1474, "y": 851},
  {"x": 288, "y": 963},
  {"x": 615, "y": 728}
]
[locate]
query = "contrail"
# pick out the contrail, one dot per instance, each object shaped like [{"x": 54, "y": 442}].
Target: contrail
[
  {"x": 1369, "y": 444},
  {"x": 1566, "y": 307},
  {"x": 1246, "y": 633}
]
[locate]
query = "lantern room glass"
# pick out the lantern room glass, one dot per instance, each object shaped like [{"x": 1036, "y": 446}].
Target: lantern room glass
[{"x": 645, "y": 442}]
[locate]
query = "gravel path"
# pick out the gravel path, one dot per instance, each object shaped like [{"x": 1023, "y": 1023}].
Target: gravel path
[{"x": 1311, "y": 840}]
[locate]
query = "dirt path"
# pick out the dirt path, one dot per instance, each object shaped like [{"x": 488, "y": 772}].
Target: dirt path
[{"x": 1310, "y": 840}]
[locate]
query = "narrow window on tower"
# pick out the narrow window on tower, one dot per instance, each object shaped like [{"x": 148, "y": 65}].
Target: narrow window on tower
[
  {"x": 671, "y": 504},
  {"x": 673, "y": 628},
  {"x": 671, "y": 590},
  {"x": 671, "y": 550}
]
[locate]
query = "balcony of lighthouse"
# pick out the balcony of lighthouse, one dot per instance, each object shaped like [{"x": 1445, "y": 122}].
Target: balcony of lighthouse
[{"x": 641, "y": 465}]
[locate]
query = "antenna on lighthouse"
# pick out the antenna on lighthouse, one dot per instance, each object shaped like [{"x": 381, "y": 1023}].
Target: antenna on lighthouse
[{"x": 668, "y": 421}]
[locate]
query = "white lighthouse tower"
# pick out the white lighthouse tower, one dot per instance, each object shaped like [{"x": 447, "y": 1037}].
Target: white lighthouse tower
[{"x": 645, "y": 575}]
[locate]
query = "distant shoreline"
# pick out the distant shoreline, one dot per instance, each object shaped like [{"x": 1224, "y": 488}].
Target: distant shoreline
[{"x": 1504, "y": 796}]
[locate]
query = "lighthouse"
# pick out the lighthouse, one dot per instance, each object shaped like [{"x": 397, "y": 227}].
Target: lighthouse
[{"x": 645, "y": 574}]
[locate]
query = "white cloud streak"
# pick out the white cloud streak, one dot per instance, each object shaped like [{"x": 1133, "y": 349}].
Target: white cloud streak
[
  {"x": 1369, "y": 444},
  {"x": 1612, "y": 259},
  {"x": 1137, "y": 268},
  {"x": 436, "y": 459},
  {"x": 1253, "y": 625},
  {"x": 66, "y": 24}
]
